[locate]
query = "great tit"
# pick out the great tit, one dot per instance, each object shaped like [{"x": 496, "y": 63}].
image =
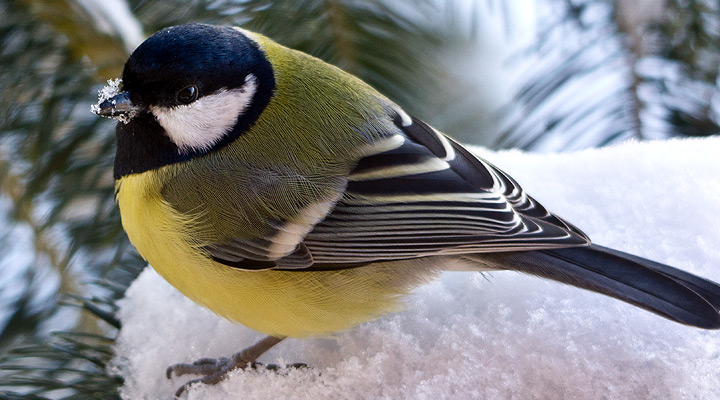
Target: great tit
[{"x": 287, "y": 195}]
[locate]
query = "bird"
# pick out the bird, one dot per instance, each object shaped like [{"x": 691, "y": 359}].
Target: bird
[{"x": 289, "y": 196}]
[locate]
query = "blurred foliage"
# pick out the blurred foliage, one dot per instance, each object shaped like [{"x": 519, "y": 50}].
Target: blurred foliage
[
  {"x": 596, "y": 74},
  {"x": 690, "y": 51},
  {"x": 55, "y": 160},
  {"x": 67, "y": 364},
  {"x": 601, "y": 72}
]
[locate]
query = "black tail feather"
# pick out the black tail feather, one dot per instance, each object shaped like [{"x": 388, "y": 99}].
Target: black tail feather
[
  {"x": 709, "y": 290},
  {"x": 664, "y": 290}
]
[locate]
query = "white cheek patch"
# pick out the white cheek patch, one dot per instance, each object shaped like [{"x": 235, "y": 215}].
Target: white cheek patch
[{"x": 203, "y": 123}]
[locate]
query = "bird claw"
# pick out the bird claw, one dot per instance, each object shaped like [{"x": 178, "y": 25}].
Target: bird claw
[
  {"x": 215, "y": 370},
  {"x": 277, "y": 368},
  {"x": 203, "y": 366}
]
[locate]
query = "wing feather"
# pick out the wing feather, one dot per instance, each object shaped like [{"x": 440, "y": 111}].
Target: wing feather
[
  {"x": 462, "y": 205},
  {"x": 423, "y": 195}
]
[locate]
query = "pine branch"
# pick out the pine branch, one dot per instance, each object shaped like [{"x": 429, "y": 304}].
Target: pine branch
[
  {"x": 12, "y": 187},
  {"x": 74, "y": 364},
  {"x": 648, "y": 56},
  {"x": 85, "y": 38},
  {"x": 54, "y": 155},
  {"x": 342, "y": 37}
]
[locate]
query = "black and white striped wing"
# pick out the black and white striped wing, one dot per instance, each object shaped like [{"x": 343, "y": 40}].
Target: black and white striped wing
[
  {"x": 417, "y": 193},
  {"x": 424, "y": 195}
]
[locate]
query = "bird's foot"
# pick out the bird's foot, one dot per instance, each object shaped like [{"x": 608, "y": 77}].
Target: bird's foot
[{"x": 215, "y": 370}]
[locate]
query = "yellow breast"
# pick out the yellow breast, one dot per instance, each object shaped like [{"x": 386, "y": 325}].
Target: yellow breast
[{"x": 280, "y": 303}]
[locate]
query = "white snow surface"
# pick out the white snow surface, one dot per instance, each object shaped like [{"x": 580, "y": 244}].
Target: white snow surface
[{"x": 507, "y": 336}]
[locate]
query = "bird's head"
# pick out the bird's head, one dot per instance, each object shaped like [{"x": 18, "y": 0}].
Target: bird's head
[{"x": 185, "y": 91}]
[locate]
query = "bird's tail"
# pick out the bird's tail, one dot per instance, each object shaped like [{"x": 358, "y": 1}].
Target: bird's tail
[{"x": 664, "y": 290}]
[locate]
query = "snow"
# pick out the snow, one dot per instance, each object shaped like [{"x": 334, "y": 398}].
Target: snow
[
  {"x": 107, "y": 92},
  {"x": 501, "y": 336}
]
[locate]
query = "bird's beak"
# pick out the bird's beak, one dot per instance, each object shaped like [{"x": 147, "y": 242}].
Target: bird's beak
[{"x": 118, "y": 107}]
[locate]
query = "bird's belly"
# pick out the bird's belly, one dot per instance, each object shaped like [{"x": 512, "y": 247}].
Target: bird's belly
[{"x": 281, "y": 303}]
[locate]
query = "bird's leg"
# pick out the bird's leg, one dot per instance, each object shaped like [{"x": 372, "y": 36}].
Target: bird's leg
[{"x": 215, "y": 370}]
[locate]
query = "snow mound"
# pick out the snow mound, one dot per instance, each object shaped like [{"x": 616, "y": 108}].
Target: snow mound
[{"x": 495, "y": 337}]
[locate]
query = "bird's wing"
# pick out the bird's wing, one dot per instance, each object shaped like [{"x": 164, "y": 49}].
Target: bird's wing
[
  {"x": 421, "y": 194},
  {"x": 431, "y": 196}
]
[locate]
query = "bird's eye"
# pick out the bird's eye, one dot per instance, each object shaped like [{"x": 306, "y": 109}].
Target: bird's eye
[{"x": 187, "y": 94}]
